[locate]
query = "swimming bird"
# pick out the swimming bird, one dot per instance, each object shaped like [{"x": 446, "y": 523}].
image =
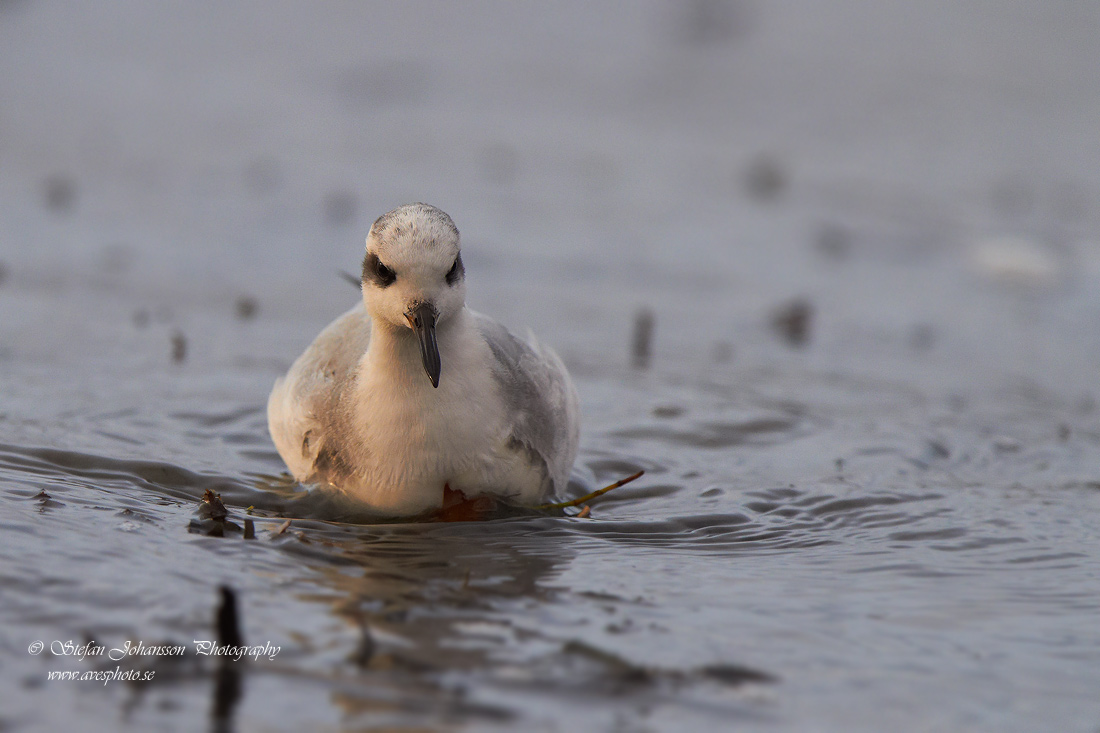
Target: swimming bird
[{"x": 410, "y": 393}]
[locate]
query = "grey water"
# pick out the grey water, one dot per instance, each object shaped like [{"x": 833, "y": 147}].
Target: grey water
[{"x": 866, "y": 242}]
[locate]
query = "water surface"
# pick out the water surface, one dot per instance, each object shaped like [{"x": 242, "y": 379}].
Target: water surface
[{"x": 884, "y": 519}]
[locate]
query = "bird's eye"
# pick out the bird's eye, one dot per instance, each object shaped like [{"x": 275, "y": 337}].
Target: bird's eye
[
  {"x": 456, "y": 271},
  {"x": 374, "y": 271}
]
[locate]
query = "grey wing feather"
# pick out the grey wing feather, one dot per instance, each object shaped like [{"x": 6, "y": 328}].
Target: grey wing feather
[{"x": 539, "y": 395}]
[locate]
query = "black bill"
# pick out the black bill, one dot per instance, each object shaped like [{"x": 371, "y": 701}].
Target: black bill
[{"x": 422, "y": 319}]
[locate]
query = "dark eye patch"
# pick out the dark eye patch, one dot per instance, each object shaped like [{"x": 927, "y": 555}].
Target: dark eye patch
[
  {"x": 375, "y": 272},
  {"x": 457, "y": 271}
]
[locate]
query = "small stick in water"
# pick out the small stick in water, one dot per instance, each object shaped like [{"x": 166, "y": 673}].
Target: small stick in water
[
  {"x": 228, "y": 622},
  {"x": 227, "y": 677},
  {"x": 643, "y": 337},
  {"x": 179, "y": 347},
  {"x": 588, "y": 497}
]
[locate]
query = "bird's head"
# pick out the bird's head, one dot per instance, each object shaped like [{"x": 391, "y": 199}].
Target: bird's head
[{"x": 413, "y": 277}]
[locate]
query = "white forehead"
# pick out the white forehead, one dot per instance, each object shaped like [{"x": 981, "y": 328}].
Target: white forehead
[{"x": 414, "y": 232}]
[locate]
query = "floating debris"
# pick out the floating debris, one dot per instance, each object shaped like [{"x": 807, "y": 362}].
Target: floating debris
[
  {"x": 247, "y": 306},
  {"x": 213, "y": 517},
  {"x": 249, "y": 529},
  {"x": 922, "y": 337},
  {"x": 60, "y": 193},
  {"x": 642, "y": 342},
  {"x": 938, "y": 450},
  {"x": 765, "y": 178},
  {"x": 792, "y": 321},
  {"x": 619, "y": 674},
  {"x": 212, "y": 507},
  {"x": 45, "y": 501},
  {"x": 713, "y": 22},
  {"x": 1016, "y": 260},
  {"x": 583, "y": 513},
  {"x": 735, "y": 674},
  {"x": 282, "y": 528},
  {"x": 179, "y": 347}
]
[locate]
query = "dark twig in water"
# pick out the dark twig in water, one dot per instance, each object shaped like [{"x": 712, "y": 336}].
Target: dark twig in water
[
  {"x": 641, "y": 343},
  {"x": 228, "y": 621},
  {"x": 179, "y": 347},
  {"x": 588, "y": 497},
  {"x": 228, "y": 687}
]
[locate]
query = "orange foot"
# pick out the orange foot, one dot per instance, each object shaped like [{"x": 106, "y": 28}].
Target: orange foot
[{"x": 457, "y": 508}]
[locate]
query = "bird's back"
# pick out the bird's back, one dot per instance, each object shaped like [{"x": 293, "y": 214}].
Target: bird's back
[{"x": 543, "y": 408}]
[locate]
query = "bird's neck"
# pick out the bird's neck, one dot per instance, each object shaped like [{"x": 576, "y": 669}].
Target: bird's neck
[{"x": 394, "y": 351}]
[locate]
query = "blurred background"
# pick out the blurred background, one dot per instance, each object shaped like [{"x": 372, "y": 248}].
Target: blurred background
[
  {"x": 828, "y": 272},
  {"x": 881, "y": 160}
]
